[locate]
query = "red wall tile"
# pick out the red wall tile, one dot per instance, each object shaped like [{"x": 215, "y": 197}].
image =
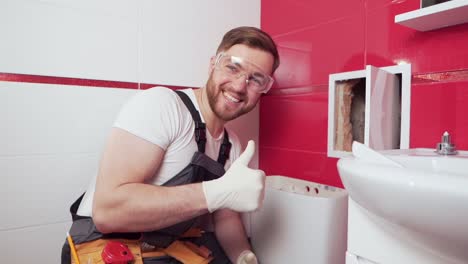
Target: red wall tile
[
  {"x": 432, "y": 51},
  {"x": 436, "y": 108},
  {"x": 406, "y": 5},
  {"x": 318, "y": 39},
  {"x": 309, "y": 166},
  {"x": 279, "y": 16},
  {"x": 296, "y": 122},
  {"x": 308, "y": 56}
]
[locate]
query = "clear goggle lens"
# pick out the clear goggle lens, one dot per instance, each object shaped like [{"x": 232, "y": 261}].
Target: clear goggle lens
[{"x": 235, "y": 67}]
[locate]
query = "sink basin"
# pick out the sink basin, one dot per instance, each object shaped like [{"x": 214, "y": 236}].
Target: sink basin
[{"x": 427, "y": 196}]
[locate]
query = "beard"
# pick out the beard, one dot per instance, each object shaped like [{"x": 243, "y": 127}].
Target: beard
[{"x": 215, "y": 97}]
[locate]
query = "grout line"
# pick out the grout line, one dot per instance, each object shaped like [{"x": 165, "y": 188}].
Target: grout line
[
  {"x": 33, "y": 226},
  {"x": 365, "y": 32},
  {"x": 293, "y": 150},
  {"x": 310, "y": 27},
  {"x": 50, "y": 154},
  {"x": 139, "y": 40}
]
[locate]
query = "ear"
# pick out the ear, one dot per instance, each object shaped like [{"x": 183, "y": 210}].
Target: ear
[{"x": 212, "y": 64}]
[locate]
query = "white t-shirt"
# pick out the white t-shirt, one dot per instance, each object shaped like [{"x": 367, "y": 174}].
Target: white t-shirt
[{"x": 159, "y": 116}]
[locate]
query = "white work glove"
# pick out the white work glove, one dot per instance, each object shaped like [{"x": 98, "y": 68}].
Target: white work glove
[
  {"x": 240, "y": 189},
  {"x": 247, "y": 257}
]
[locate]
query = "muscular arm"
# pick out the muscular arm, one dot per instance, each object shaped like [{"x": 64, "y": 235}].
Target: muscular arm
[
  {"x": 230, "y": 233},
  {"x": 124, "y": 202}
]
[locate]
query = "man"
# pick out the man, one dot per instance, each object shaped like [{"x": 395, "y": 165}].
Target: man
[{"x": 144, "y": 184}]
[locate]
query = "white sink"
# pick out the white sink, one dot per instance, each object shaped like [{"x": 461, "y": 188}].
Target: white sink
[{"x": 427, "y": 196}]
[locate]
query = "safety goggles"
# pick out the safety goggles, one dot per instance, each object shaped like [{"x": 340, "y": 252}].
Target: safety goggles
[{"x": 235, "y": 67}]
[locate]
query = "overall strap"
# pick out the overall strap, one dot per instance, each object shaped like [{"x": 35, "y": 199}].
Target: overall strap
[
  {"x": 225, "y": 149},
  {"x": 200, "y": 128}
]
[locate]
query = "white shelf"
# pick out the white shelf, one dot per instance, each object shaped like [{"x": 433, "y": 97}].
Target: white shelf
[{"x": 437, "y": 16}]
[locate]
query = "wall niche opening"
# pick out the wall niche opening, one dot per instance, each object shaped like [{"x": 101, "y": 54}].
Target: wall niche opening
[
  {"x": 350, "y": 105},
  {"x": 370, "y": 106}
]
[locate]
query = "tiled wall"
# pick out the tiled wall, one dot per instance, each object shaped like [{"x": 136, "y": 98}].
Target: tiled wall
[
  {"x": 66, "y": 67},
  {"x": 145, "y": 41},
  {"x": 51, "y": 139},
  {"x": 318, "y": 38}
]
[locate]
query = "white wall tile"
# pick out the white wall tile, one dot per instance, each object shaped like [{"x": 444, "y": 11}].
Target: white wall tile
[
  {"x": 51, "y": 136},
  {"x": 38, "y": 244},
  {"x": 117, "y": 8},
  {"x": 92, "y": 39},
  {"x": 246, "y": 128},
  {"x": 51, "y": 119},
  {"x": 37, "y": 190},
  {"x": 178, "y": 37}
]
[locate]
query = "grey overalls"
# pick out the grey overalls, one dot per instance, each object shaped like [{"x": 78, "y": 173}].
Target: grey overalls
[{"x": 201, "y": 168}]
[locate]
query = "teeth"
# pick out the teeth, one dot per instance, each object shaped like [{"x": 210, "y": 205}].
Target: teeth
[{"x": 230, "y": 98}]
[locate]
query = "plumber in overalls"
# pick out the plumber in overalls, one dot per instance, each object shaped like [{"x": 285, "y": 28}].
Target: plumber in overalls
[{"x": 172, "y": 179}]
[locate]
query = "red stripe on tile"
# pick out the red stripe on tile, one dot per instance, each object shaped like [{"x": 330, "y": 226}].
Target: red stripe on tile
[
  {"x": 452, "y": 76},
  {"x": 144, "y": 86},
  {"x": 28, "y": 78},
  {"x": 297, "y": 90}
]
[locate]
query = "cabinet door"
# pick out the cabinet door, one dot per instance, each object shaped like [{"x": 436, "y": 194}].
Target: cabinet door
[{"x": 383, "y": 109}]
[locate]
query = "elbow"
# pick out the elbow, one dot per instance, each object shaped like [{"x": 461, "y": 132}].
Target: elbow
[
  {"x": 109, "y": 216},
  {"x": 102, "y": 222},
  {"x": 104, "y": 218},
  {"x": 102, "y": 214}
]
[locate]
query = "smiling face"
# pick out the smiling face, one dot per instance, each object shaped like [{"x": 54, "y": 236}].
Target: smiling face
[{"x": 231, "y": 97}]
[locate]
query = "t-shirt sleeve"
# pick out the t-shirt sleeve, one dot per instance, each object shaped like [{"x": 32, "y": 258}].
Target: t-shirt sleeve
[{"x": 152, "y": 115}]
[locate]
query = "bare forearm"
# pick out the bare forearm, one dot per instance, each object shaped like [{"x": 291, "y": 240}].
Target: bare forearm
[
  {"x": 137, "y": 207},
  {"x": 230, "y": 233}
]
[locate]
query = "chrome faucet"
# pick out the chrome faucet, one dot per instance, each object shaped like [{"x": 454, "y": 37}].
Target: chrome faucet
[{"x": 446, "y": 147}]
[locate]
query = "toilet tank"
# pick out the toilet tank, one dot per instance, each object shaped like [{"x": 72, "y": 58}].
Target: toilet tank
[{"x": 300, "y": 222}]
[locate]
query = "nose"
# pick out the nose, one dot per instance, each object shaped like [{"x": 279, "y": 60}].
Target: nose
[{"x": 241, "y": 82}]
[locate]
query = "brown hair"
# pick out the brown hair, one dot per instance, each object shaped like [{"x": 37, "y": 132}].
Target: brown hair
[{"x": 252, "y": 37}]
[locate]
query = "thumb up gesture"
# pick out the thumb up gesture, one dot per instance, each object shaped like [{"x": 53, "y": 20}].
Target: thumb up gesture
[{"x": 240, "y": 189}]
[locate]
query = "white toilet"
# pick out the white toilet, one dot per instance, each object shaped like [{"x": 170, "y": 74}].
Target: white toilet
[{"x": 300, "y": 222}]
